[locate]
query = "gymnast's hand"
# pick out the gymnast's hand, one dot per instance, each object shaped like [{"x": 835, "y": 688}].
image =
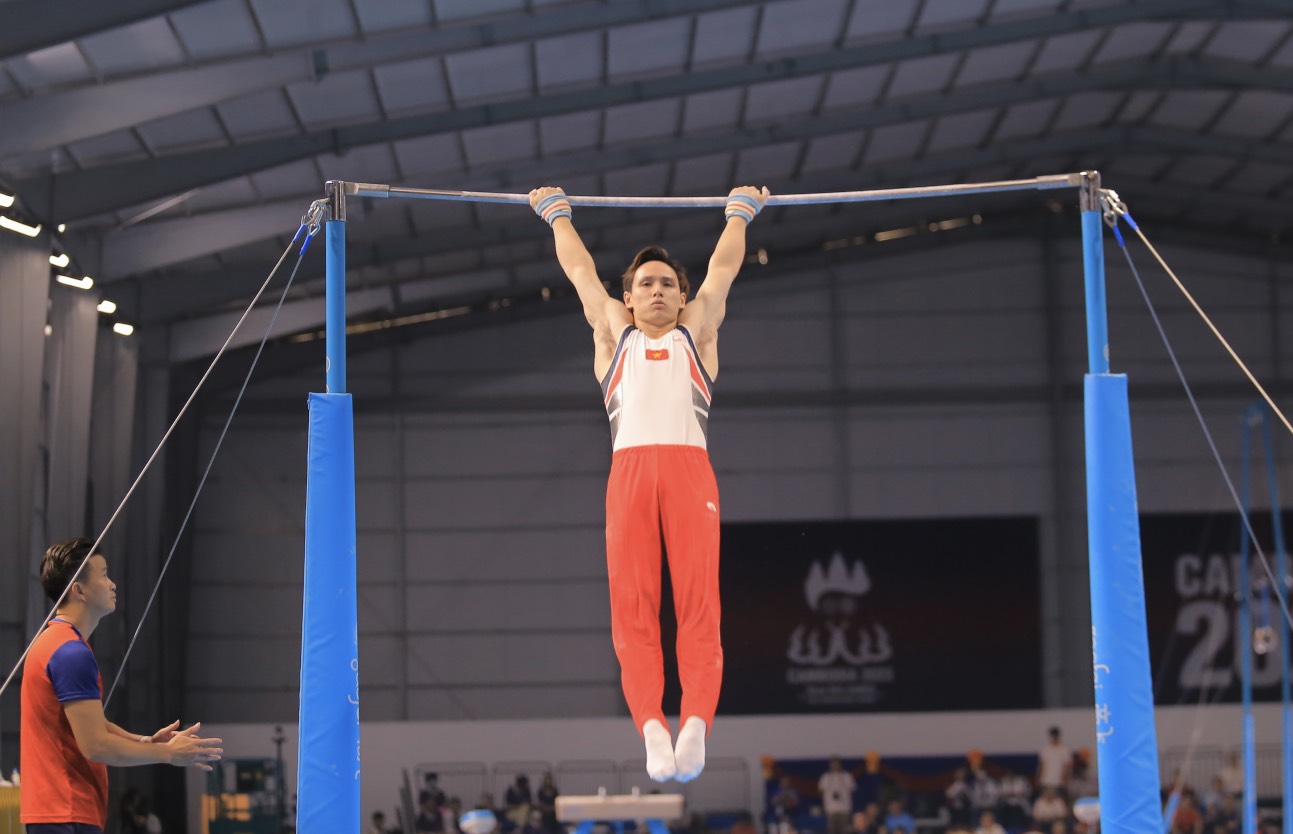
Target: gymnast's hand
[
  {"x": 549, "y": 203},
  {"x": 745, "y": 202},
  {"x": 187, "y": 748}
]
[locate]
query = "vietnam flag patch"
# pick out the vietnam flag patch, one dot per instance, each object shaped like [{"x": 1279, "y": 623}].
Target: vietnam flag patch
[{"x": 657, "y": 355}]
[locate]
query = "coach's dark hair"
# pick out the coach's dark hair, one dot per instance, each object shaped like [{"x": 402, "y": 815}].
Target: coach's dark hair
[
  {"x": 60, "y": 564},
  {"x": 656, "y": 253}
]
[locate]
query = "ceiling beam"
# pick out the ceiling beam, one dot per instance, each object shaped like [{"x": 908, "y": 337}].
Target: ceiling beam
[
  {"x": 79, "y": 194},
  {"x": 135, "y": 250},
  {"x": 67, "y": 116},
  {"x": 30, "y": 25}
]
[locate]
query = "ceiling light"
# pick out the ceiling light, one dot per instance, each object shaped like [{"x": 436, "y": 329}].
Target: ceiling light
[
  {"x": 62, "y": 227},
  {"x": 894, "y": 234},
  {"x": 6, "y": 200},
  {"x": 107, "y": 307},
  {"x": 49, "y": 330},
  {"x": 80, "y": 283},
  {"x": 21, "y": 228},
  {"x": 59, "y": 261},
  {"x": 123, "y": 329}
]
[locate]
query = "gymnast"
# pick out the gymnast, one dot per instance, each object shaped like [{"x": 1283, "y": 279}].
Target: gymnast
[{"x": 656, "y": 356}]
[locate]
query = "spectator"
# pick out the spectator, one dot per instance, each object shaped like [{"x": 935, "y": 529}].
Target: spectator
[
  {"x": 837, "y": 786},
  {"x": 377, "y": 824},
  {"x": 134, "y": 813},
  {"x": 545, "y": 800},
  {"x": 1054, "y": 763},
  {"x": 898, "y": 820},
  {"x": 1224, "y": 819},
  {"x": 1232, "y": 776},
  {"x": 868, "y": 820},
  {"x": 450, "y": 813},
  {"x": 1187, "y": 820},
  {"x": 744, "y": 824},
  {"x": 983, "y": 792},
  {"x": 534, "y": 825},
  {"x": 988, "y": 824},
  {"x": 518, "y": 800},
  {"x": 1013, "y": 800},
  {"x": 1082, "y": 781},
  {"x": 783, "y": 804},
  {"x": 1049, "y": 808},
  {"x": 957, "y": 799},
  {"x": 431, "y": 788},
  {"x": 429, "y": 819}
]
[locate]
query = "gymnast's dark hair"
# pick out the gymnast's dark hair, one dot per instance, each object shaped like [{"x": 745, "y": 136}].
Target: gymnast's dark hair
[
  {"x": 60, "y": 565},
  {"x": 656, "y": 253}
]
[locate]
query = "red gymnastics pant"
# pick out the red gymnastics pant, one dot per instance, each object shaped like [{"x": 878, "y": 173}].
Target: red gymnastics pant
[{"x": 664, "y": 492}]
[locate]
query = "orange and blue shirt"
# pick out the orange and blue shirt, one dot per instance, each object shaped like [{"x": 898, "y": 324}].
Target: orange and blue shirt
[{"x": 59, "y": 784}]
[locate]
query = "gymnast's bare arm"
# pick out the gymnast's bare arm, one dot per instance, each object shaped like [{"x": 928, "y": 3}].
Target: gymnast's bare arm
[{"x": 607, "y": 316}]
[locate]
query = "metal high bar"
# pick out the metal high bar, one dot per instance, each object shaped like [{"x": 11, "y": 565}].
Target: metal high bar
[{"x": 364, "y": 189}]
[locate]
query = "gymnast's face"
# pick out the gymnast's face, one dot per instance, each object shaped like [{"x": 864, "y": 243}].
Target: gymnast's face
[{"x": 657, "y": 297}]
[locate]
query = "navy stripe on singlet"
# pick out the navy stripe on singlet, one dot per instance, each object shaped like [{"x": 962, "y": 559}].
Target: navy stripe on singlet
[{"x": 615, "y": 360}]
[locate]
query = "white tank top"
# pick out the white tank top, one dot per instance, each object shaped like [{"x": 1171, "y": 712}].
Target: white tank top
[{"x": 656, "y": 391}]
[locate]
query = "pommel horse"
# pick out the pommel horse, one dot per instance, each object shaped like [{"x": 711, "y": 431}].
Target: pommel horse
[{"x": 654, "y": 809}]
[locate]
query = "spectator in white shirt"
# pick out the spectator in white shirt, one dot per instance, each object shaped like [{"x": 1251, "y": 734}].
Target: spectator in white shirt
[
  {"x": 837, "y": 786},
  {"x": 1054, "y": 764}
]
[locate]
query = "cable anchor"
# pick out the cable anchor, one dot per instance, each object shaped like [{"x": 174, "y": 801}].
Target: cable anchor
[{"x": 312, "y": 220}]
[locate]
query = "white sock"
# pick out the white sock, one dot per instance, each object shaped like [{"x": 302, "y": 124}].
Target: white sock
[
  {"x": 689, "y": 752},
  {"x": 659, "y": 751}
]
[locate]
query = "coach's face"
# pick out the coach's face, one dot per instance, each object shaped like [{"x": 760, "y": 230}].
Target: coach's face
[{"x": 98, "y": 591}]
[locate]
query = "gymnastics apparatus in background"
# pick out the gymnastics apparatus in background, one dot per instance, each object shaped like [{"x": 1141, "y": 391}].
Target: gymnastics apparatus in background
[{"x": 1127, "y": 749}]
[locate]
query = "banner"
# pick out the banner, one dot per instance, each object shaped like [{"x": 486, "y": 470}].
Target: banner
[
  {"x": 879, "y": 616},
  {"x": 1191, "y": 578}
]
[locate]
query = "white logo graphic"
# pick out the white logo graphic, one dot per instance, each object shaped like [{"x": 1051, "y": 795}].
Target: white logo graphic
[{"x": 837, "y": 579}]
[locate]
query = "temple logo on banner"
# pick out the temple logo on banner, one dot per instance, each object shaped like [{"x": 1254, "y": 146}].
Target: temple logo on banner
[{"x": 839, "y": 656}]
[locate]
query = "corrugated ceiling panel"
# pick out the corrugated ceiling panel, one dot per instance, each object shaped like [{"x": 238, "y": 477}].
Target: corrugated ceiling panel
[
  {"x": 489, "y": 73},
  {"x": 412, "y": 86},
  {"x": 371, "y": 163},
  {"x": 942, "y": 15},
  {"x": 1255, "y": 113},
  {"x": 1247, "y": 40},
  {"x": 964, "y": 130},
  {"x": 1133, "y": 40},
  {"x": 642, "y": 181},
  {"x": 648, "y": 47},
  {"x": 849, "y": 88},
  {"x": 384, "y": 15},
  {"x": 1065, "y": 53},
  {"x": 429, "y": 154},
  {"x": 767, "y": 163},
  {"x": 576, "y": 131},
  {"x": 895, "y": 141},
  {"x": 569, "y": 60},
  {"x": 800, "y": 25},
  {"x": 293, "y": 22},
  {"x": 706, "y": 111},
  {"x": 52, "y": 67},
  {"x": 336, "y": 99},
  {"x": 147, "y": 45},
  {"x": 1084, "y": 110},
  {"x": 217, "y": 29},
  {"x": 995, "y": 63},
  {"x": 874, "y": 21},
  {"x": 922, "y": 75},
  {"x": 832, "y": 153},
  {"x": 1025, "y": 120},
  {"x": 1189, "y": 109},
  {"x": 299, "y": 177},
  {"x": 646, "y": 120},
  {"x": 724, "y": 35},
  {"x": 187, "y": 130},
  {"x": 783, "y": 100},
  {"x": 257, "y": 115},
  {"x": 118, "y": 146},
  {"x": 500, "y": 143},
  {"x": 454, "y": 10}
]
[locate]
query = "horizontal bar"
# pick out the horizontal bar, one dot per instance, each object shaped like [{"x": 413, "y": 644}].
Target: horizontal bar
[{"x": 363, "y": 189}]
